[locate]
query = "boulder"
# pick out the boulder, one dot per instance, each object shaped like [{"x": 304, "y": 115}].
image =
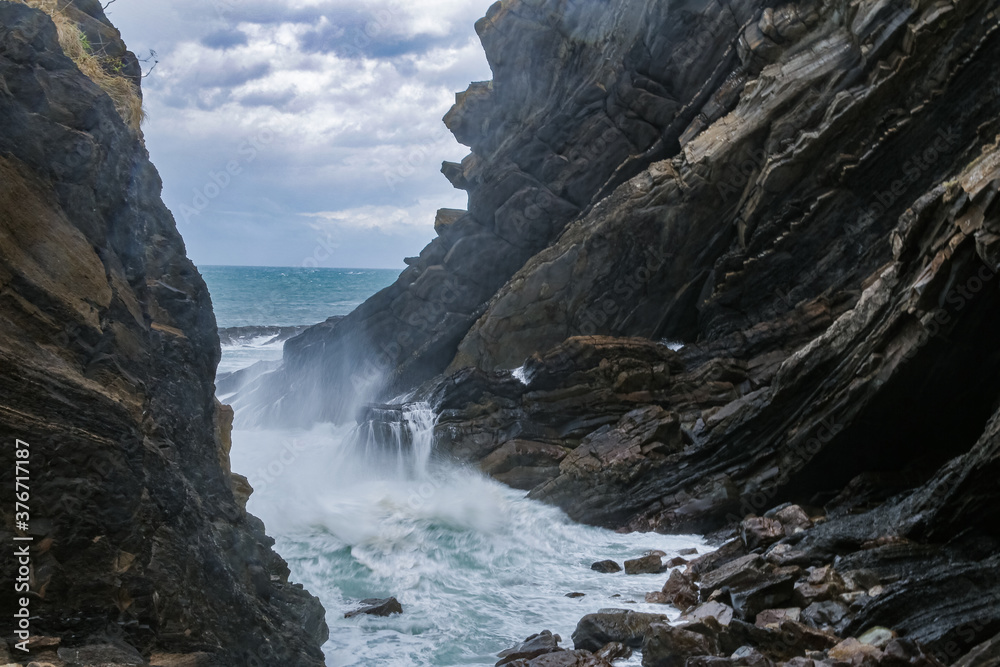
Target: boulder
[
  {"x": 723, "y": 613},
  {"x": 771, "y": 589},
  {"x": 747, "y": 656},
  {"x": 758, "y": 532},
  {"x": 649, "y": 564},
  {"x": 878, "y": 637},
  {"x": 606, "y": 567},
  {"x": 826, "y": 615},
  {"x": 771, "y": 618},
  {"x": 680, "y": 591},
  {"x": 594, "y": 631},
  {"x": 614, "y": 651},
  {"x": 853, "y": 651},
  {"x": 822, "y": 584},
  {"x": 377, "y": 607},
  {"x": 729, "y": 551},
  {"x": 565, "y": 659},
  {"x": 793, "y": 520},
  {"x": 860, "y": 580},
  {"x": 670, "y": 646},
  {"x": 745, "y": 569},
  {"x": 532, "y": 647}
]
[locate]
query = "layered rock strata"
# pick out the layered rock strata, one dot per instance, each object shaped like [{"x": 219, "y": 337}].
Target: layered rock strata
[{"x": 141, "y": 548}]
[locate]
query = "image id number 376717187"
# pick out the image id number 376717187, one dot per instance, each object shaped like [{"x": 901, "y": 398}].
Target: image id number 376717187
[{"x": 22, "y": 552}]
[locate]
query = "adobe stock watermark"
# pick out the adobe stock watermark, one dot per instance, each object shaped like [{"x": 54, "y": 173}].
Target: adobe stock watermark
[{"x": 219, "y": 180}]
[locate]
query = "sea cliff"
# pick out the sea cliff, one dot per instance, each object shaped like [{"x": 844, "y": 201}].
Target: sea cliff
[
  {"x": 141, "y": 550},
  {"x": 802, "y": 200}
]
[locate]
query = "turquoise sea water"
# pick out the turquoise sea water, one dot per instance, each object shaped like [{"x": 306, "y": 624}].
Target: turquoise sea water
[
  {"x": 272, "y": 296},
  {"x": 477, "y": 566},
  {"x": 246, "y": 296}
]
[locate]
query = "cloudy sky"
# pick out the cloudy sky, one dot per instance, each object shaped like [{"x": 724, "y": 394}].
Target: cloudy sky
[{"x": 304, "y": 132}]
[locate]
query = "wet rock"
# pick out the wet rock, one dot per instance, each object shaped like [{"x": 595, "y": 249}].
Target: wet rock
[
  {"x": 199, "y": 659},
  {"x": 804, "y": 638},
  {"x": 524, "y": 465},
  {"x": 760, "y": 532},
  {"x": 594, "y": 631},
  {"x": 680, "y": 591},
  {"x": 878, "y": 637},
  {"x": 614, "y": 651},
  {"x": 723, "y": 613},
  {"x": 606, "y": 567},
  {"x": 822, "y": 584},
  {"x": 793, "y": 519},
  {"x": 377, "y": 607},
  {"x": 828, "y": 615},
  {"x": 860, "y": 580},
  {"x": 689, "y": 551},
  {"x": 532, "y": 647},
  {"x": 745, "y": 569},
  {"x": 576, "y": 595},
  {"x": 670, "y": 646},
  {"x": 676, "y": 561},
  {"x": 750, "y": 657},
  {"x": 771, "y": 618},
  {"x": 708, "y": 661},
  {"x": 100, "y": 654},
  {"x": 853, "y": 651},
  {"x": 986, "y": 654},
  {"x": 769, "y": 590},
  {"x": 729, "y": 551},
  {"x": 564, "y": 659},
  {"x": 651, "y": 564}
]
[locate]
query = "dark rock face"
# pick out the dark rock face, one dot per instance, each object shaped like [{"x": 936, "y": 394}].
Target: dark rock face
[
  {"x": 108, "y": 347},
  {"x": 611, "y": 88},
  {"x": 806, "y": 196}
]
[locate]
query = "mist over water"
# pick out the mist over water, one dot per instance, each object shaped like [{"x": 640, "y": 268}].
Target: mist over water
[
  {"x": 476, "y": 566},
  {"x": 370, "y": 513}
]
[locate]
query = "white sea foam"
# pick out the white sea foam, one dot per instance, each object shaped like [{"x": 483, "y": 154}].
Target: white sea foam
[{"x": 477, "y": 566}]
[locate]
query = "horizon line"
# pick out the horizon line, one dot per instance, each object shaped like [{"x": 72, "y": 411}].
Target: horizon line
[{"x": 311, "y": 268}]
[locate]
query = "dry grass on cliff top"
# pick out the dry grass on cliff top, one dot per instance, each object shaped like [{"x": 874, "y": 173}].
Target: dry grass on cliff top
[{"x": 74, "y": 44}]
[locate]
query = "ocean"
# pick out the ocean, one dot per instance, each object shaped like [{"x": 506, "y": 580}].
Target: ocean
[
  {"x": 476, "y": 565},
  {"x": 248, "y": 296}
]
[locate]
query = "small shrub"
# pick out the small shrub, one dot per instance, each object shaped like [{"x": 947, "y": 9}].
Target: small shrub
[{"x": 77, "y": 47}]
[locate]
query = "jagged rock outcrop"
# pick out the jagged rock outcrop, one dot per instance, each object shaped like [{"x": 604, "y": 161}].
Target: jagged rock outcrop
[
  {"x": 806, "y": 201},
  {"x": 822, "y": 240},
  {"x": 108, "y": 348},
  {"x": 581, "y": 96}
]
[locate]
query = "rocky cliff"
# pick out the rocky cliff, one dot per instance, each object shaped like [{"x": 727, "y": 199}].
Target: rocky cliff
[
  {"x": 140, "y": 551},
  {"x": 804, "y": 199}
]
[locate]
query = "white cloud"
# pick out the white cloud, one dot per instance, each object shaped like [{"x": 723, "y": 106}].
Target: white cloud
[
  {"x": 357, "y": 134},
  {"x": 385, "y": 218}
]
